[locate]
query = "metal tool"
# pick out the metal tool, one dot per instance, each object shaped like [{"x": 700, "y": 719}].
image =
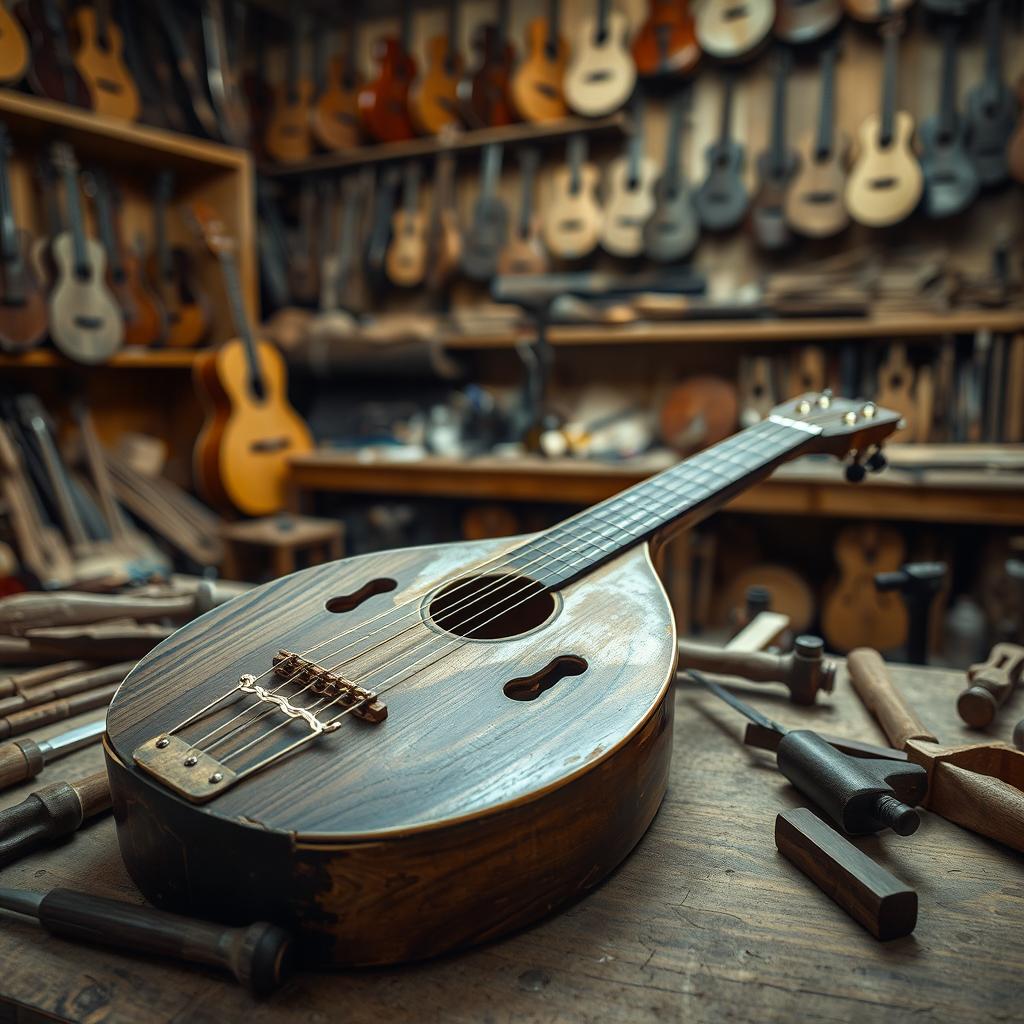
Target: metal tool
[
  {"x": 918, "y": 584},
  {"x": 257, "y": 955},
  {"x": 24, "y": 759},
  {"x": 861, "y": 795}
]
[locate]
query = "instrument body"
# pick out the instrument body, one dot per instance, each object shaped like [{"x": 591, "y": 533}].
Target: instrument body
[
  {"x": 444, "y": 236},
  {"x": 727, "y": 30},
  {"x": 13, "y": 48},
  {"x": 537, "y": 83},
  {"x": 488, "y": 230},
  {"x": 434, "y": 97},
  {"x": 802, "y": 21},
  {"x": 722, "y": 199},
  {"x": 524, "y": 252},
  {"x": 628, "y": 205},
  {"x": 100, "y": 61},
  {"x": 775, "y": 169},
  {"x": 334, "y": 119},
  {"x": 51, "y": 71},
  {"x": 406, "y": 259},
  {"x": 574, "y": 218},
  {"x": 672, "y": 230},
  {"x": 489, "y": 104},
  {"x": 384, "y": 101},
  {"x": 601, "y": 74},
  {"x": 667, "y": 41},
  {"x": 288, "y": 138}
]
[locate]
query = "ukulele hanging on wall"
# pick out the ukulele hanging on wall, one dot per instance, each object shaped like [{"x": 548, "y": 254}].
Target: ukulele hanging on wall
[
  {"x": 573, "y": 218},
  {"x": 384, "y": 101},
  {"x": 489, "y": 101},
  {"x": 335, "y": 114},
  {"x": 601, "y": 73},
  {"x": 537, "y": 83},
  {"x": 288, "y": 137},
  {"x": 629, "y": 196},
  {"x": 672, "y": 231},
  {"x": 100, "y": 60},
  {"x": 721, "y": 200},
  {"x": 524, "y": 253},
  {"x": 434, "y": 97}
]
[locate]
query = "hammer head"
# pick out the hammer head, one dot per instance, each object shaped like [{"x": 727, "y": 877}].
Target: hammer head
[{"x": 810, "y": 670}]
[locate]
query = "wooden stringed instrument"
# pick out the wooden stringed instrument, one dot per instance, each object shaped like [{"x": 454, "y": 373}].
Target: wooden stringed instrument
[
  {"x": 241, "y": 454},
  {"x": 140, "y": 308},
  {"x": 734, "y": 29},
  {"x": 344, "y": 282},
  {"x": 487, "y": 234},
  {"x": 673, "y": 229},
  {"x": 384, "y": 102},
  {"x": 184, "y": 69},
  {"x": 51, "y": 70},
  {"x": 488, "y": 103},
  {"x": 537, "y": 90},
  {"x": 815, "y": 201},
  {"x": 876, "y": 10},
  {"x": 186, "y": 313},
  {"x": 722, "y": 200},
  {"x": 406, "y": 260},
  {"x": 525, "y": 253},
  {"x": 573, "y": 217},
  {"x": 855, "y": 612},
  {"x": 775, "y": 169},
  {"x": 434, "y": 96},
  {"x": 629, "y": 194},
  {"x": 85, "y": 322},
  {"x": 288, "y": 138},
  {"x": 885, "y": 182},
  {"x": 798, "y": 22},
  {"x": 951, "y": 181},
  {"x": 13, "y": 47},
  {"x": 896, "y": 387},
  {"x": 444, "y": 237},
  {"x": 23, "y": 315},
  {"x": 1015, "y": 149},
  {"x": 395, "y": 745},
  {"x": 303, "y": 264},
  {"x": 601, "y": 74},
  {"x": 335, "y": 115},
  {"x": 667, "y": 41},
  {"x": 222, "y": 73},
  {"x": 99, "y": 58}
]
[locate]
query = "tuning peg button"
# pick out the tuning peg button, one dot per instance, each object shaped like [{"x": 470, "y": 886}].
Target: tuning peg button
[
  {"x": 877, "y": 462},
  {"x": 855, "y": 472}
]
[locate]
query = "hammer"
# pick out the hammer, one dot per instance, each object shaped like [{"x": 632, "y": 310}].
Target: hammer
[{"x": 804, "y": 670}]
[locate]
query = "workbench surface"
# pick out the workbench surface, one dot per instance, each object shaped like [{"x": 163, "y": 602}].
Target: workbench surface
[{"x": 704, "y": 921}]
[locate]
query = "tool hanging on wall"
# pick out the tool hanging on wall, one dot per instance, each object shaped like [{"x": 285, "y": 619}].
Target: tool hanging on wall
[
  {"x": 861, "y": 795},
  {"x": 918, "y": 583}
]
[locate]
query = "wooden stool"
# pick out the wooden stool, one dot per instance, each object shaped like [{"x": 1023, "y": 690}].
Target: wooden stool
[{"x": 280, "y": 539}]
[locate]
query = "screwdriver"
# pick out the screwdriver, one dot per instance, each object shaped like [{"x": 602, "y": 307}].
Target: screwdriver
[
  {"x": 24, "y": 759},
  {"x": 256, "y": 955},
  {"x": 861, "y": 795}
]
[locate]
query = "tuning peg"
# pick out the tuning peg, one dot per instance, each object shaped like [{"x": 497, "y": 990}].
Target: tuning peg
[
  {"x": 855, "y": 472},
  {"x": 877, "y": 461}
]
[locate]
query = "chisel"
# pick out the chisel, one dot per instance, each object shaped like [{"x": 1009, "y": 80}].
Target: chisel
[{"x": 24, "y": 759}]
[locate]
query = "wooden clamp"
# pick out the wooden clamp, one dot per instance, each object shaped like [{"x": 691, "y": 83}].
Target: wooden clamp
[{"x": 991, "y": 683}]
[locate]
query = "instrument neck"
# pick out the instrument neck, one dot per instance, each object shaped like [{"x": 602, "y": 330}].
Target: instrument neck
[
  {"x": 826, "y": 116},
  {"x": 682, "y": 495},
  {"x": 777, "y": 147},
  {"x": 528, "y": 164},
  {"x": 108, "y": 231},
  {"x": 993, "y": 47},
  {"x": 554, "y": 7},
  {"x": 947, "y": 96},
  {"x": 453, "y": 36},
  {"x": 160, "y": 244},
  {"x": 233, "y": 286},
  {"x": 892, "y": 49},
  {"x": 602, "y": 20},
  {"x": 636, "y": 143},
  {"x": 726, "y": 122},
  {"x": 492, "y": 170},
  {"x": 14, "y": 268},
  {"x": 674, "y": 139},
  {"x": 76, "y": 222},
  {"x": 577, "y": 157}
]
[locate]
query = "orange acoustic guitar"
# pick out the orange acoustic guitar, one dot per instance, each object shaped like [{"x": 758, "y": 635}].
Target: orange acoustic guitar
[
  {"x": 241, "y": 454},
  {"x": 335, "y": 114},
  {"x": 288, "y": 137},
  {"x": 434, "y": 98},
  {"x": 13, "y": 48},
  {"x": 100, "y": 61},
  {"x": 537, "y": 83}
]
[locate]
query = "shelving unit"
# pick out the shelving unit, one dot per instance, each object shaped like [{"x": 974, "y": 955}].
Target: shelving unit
[{"x": 127, "y": 359}]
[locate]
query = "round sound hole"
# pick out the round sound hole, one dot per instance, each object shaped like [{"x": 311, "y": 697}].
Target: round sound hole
[{"x": 493, "y": 607}]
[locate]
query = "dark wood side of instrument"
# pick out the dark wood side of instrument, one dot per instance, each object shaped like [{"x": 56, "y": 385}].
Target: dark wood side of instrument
[{"x": 377, "y": 901}]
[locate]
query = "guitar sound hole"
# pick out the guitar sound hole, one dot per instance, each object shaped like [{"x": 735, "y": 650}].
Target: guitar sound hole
[
  {"x": 108, "y": 86},
  {"x": 493, "y": 607},
  {"x": 531, "y": 687},
  {"x": 349, "y": 602},
  {"x": 820, "y": 198},
  {"x": 547, "y": 90},
  {"x": 883, "y": 184},
  {"x": 601, "y": 75},
  {"x": 570, "y": 225},
  {"x": 88, "y": 323},
  {"x": 735, "y": 13}
]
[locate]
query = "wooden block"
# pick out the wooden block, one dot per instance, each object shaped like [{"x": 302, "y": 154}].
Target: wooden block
[{"x": 866, "y": 891}]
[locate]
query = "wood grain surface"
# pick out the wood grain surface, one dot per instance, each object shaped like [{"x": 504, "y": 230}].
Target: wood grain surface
[{"x": 705, "y": 921}]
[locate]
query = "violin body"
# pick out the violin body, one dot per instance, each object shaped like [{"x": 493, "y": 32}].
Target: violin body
[
  {"x": 483, "y": 821},
  {"x": 885, "y": 182},
  {"x": 572, "y": 226},
  {"x": 288, "y": 138},
  {"x": 629, "y": 203},
  {"x": 112, "y": 89},
  {"x": 434, "y": 98},
  {"x": 23, "y": 315},
  {"x": 384, "y": 102},
  {"x": 537, "y": 90},
  {"x": 601, "y": 74},
  {"x": 489, "y": 104},
  {"x": 241, "y": 455},
  {"x": 667, "y": 41},
  {"x": 13, "y": 48},
  {"x": 730, "y": 30},
  {"x": 815, "y": 201},
  {"x": 334, "y": 119}
]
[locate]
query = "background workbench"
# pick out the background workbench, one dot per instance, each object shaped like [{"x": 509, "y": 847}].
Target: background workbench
[{"x": 704, "y": 921}]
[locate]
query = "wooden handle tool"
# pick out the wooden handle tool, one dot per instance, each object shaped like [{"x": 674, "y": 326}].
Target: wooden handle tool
[
  {"x": 66, "y": 686},
  {"x": 51, "y": 813},
  {"x": 896, "y": 717},
  {"x": 19, "y": 682},
  {"x": 55, "y": 711},
  {"x": 991, "y": 683},
  {"x": 24, "y": 759},
  {"x": 256, "y": 955},
  {"x": 865, "y": 890},
  {"x": 106, "y": 640}
]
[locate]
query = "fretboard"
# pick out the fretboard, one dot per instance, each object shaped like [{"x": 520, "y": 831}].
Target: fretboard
[{"x": 693, "y": 489}]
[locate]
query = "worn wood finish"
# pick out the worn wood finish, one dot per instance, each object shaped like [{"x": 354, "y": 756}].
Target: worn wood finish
[{"x": 688, "y": 928}]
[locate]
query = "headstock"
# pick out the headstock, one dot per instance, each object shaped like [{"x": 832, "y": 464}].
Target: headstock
[
  {"x": 212, "y": 228},
  {"x": 63, "y": 157},
  {"x": 845, "y": 428}
]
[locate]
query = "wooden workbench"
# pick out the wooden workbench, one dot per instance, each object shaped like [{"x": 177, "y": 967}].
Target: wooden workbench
[{"x": 705, "y": 921}]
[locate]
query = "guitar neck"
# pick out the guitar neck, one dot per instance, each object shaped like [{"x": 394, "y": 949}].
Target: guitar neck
[
  {"x": 892, "y": 50},
  {"x": 993, "y": 48},
  {"x": 826, "y": 115},
  {"x": 76, "y": 222},
  {"x": 554, "y": 17},
  {"x": 674, "y": 139},
  {"x": 107, "y": 228},
  {"x": 725, "y": 125},
  {"x": 292, "y": 79},
  {"x": 777, "y": 148},
  {"x": 491, "y": 170},
  {"x": 411, "y": 188},
  {"x": 682, "y": 495},
  {"x": 602, "y": 19},
  {"x": 14, "y": 267},
  {"x": 240, "y": 318},
  {"x": 636, "y": 140},
  {"x": 528, "y": 163},
  {"x": 947, "y": 88},
  {"x": 577, "y": 157},
  {"x": 160, "y": 243}
]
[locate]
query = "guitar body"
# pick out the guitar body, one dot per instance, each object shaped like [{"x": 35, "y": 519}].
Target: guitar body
[
  {"x": 13, "y": 49},
  {"x": 406, "y": 260},
  {"x": 537, "y": 83},
  {"x": 187, "y": 317},
  {"x": 855, "y": 614},
  {"x": 667, "y": 41},
  {"x": 485, "y": 239},
  {"x": 112, "y": 89},
  {"x": 434, "y": 98},
  {"x": 241, "y": 457},
  {"x": 767, "y": 211},
  {"x": 573, "y": 222},
  {"x": 896, "y": 387},
  {"x": 950, "y": 179},
  {"x": 85, "y": 323},
  {"x": 601, "y": 74},
  {"x": 484, "y": 821},
  {"x": 334, "y": 119},
  {"x": 871, "y": 11},
  {"x": 722, "y": 200},
  {"x": 815, "y": 201},
  {"x": 673, "y": 229},
  {"x": 445, "y": 249},
  {"x": 991, "y": 118},
  {"x": 384, "y": 102},
  {"x": 802, "y": 21},
  {"x": 628, "y": 206},
  {"x": 46, "y": 75},
  {"x": 885, "y": 183},
  {"x": 489, "y": 104},
  {"x": 730, "y": 30},
  {"x": 525, "y": 254},
  {"x": 143, "y": 315},
  {"x": 288, "y": 139},
  {"x": 23, "y": 322}
]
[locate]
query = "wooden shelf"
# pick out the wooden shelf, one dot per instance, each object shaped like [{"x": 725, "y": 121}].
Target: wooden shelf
[
  {"x": 461, "y": 141},
  {"x": 126, "y": 359},
  {"x": 802, "y": 488},
  {"x": 795, "y": 329}
]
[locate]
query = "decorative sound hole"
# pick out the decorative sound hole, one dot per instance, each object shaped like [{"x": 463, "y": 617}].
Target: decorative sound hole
[
  {"x": 348, "y": 602},
  {"x": 531, "y": 687},
  {"x": 494, "y": 607}
]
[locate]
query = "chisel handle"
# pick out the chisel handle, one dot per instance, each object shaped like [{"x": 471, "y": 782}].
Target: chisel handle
[
  {"x": 871, "y": 680},
  {"x": 256, "y": 955},
  {"x": 19, "y": 761},
  {"x": 55, "y": 711}
]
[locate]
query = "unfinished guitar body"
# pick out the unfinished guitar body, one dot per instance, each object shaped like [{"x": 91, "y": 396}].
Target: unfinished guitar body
[
  {"x": 507, "y": 780},
  {"x": 886, "y": 182}
]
